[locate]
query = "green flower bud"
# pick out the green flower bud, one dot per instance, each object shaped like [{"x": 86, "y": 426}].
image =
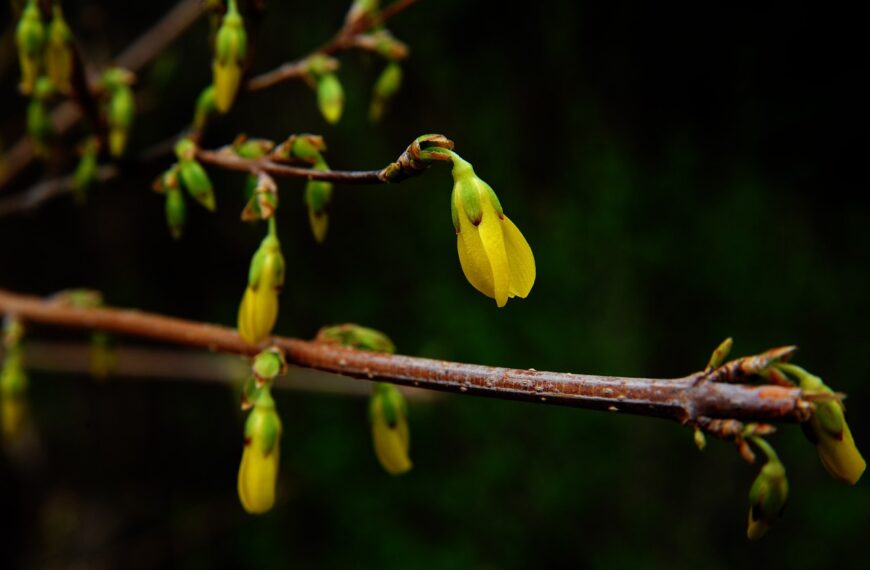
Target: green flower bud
[
  {"x": 385, "y": 87},
  {"x": 303, "y": 148},
  {"x": 388, "y": 414},
  {"x": 356, "y": 336},
  {"x": 13, "y": 382},
  {"x": 258, "y": 310},
  {"x": 29, "y": 38},
  {"x": 121, "y": 108},
  {"x": 102, "y": 359},
  {"x": 252, "y": 148},
  {"x": 768, "y": 494},
  {"x": 176, "y": 212},
  {"x": 318, "y": 195},
  {"x": 258, "y": 472},
  {"x": 330, "y": 97},
  {"x": 193, "y": 176},
  {"x": 205, "y": 108},
  {"x": 268, "y": 365},
  {"x": 360, "y": 10},
  {"x": 720, "y": 354},
  {"x": 58, "y": 52},
  {"x": 230, "y": 48}
]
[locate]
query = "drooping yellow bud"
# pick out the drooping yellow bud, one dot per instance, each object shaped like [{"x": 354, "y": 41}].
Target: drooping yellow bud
[
  {"x": 768, "y": 494},
  {"x": 828, "y": 430},
  {"x": 58, "y": 52},
  {"x": 258, "y": 471},
  {"x": 229, "y": 55},
  {"x": 495, "y": 257},
  {"x": 30, "y": 39},
  {"x": 259, "y": 308},
  {"x": 390, "y": 434},
  {"x": 13, "y": 383}
]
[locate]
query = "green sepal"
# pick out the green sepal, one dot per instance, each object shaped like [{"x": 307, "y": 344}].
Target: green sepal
[
  {"x": 231, "y": 43},
  {"x": 263, "y": 426},
  {"x": 30, "y": 32},
  {"x": 269, "y": 364}
]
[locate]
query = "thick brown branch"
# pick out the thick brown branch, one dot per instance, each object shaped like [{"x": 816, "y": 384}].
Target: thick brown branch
[
  {"x": 135, "y": 57},
  {"x": 684, "y": 399},
  {"x": 229, "y": 161}
]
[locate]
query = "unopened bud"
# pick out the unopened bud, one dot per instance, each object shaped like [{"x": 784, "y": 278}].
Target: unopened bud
[
  {"x": 193, "y": 176},
  {"x": 356, "y": 336},
  {"x": 230, "y": 48},
  {"x": 29, "y": 39},
  {"x": 58, "y": 52},
  {"x": 768, "y": 494},
  {"x": 86, "y": 171},
  {"x": 205, "y": 108},
  {"x": 385, "y": 88},
  {"x": 302, "y": 148},
  {"x": 263, "y": 201},
  {"x": 258, "y": 472},
  {"x": 259, "y": 308},
  {"x": 318, "y": 195},
  {"x": 121, "y": 108},
  {"x": 268, "y": 365},
  {"x": 390, "y": 435},
  {"x": 330, "y": 97},
  {"x": 39, "y": 125}
]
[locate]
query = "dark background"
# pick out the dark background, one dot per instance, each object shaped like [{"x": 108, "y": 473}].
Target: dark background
[{"x": 683, "y": 172}]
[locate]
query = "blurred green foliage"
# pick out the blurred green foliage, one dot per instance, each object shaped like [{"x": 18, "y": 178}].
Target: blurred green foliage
[{"x": 683, "y": 173}]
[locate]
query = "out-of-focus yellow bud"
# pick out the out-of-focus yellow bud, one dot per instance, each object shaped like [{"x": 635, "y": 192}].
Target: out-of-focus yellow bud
[
  {"x": 494, "y": 255},
  {"x": 121, "y": 108},
  {"x": 205, "y": 108},
  {"x": 828, "y": 430},
  {"x": 258, "y": 472},
  {"x": 102, "y": 355},
  {"x": 385, "y": 88},
  {"x": 13, "y": 382},
  {"x": 318, "y": 195},
  {"x": 39, "y": 125},
  {"x": 390, "y": 435},
  {"x": 305, "y": 148},
  {"x": 30, "y": 39},
  {"x": 768, "y": 494},
  {"x": 259, "y": 308},
  {"x": 229, "y": 56},
  {"x": 58, "y": 52},
  {"x": 330, "y": 97},
  {"x": 361, "y": 10}
]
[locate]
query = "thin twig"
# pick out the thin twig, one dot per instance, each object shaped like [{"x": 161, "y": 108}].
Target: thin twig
[
  {"x": 345, "y": 38},
  {"x": 686, "y": 400},
  {"x": 144, "y": 49},
  {"x": 230, "y": 161}
]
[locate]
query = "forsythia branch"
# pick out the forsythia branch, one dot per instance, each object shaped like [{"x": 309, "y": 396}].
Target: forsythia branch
[{"x": 693, "y": 399}]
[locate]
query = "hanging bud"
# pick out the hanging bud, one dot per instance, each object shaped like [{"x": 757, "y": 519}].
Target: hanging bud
[
  {"x": 263, "y": 201},
  {"x": 259, "y": 308},
  {"x": 176, "y": 212},
  {"x": 39, "y": 125},
  {"x": 768, "y": 494},
  {"x": 390, "y": 436},
  {"x": 192, "y": 174},
  {"x": 230, "y": 47},
  {"x": 30, "y": 39},
  {"x": 102, "y": 359},
  {"x": 494, "y": 255},
  {"x": 205, "y": 108},
  {"x": 86, "y": 171},
  {"x": 58, "y": 52},
  {"x": 385, "y": 87},
  {"x": 356, "y": 336},
  {"x": 330, "y": 98},
  {"x": 318, "y": 195},
  {"x": 13, "y": 382},
  {"x": 121, "y": 108},
  {"x": 258, "y": 472},
  {"x": 827, "y": 428}
]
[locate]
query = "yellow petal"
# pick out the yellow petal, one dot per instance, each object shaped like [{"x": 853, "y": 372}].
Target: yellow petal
[
  {"x": 520, "y": 258},
  {"x": 492, "y": 238},
  {"x": 756, "y": 528},
  {"x": 840, "y": 457},
  {"x": 226, "y": 83},
  {"x": 472, "y": 256},
  {"x": 391, "y": 446},
  {"x": 258, "y": 474}
]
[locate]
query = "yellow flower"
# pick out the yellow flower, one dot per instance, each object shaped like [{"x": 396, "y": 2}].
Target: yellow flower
[
  {"x": 390, "y": 434},
  {"x": 259, "y": 308},
  {"x": 494, "y": 255},
  {"x": 258, "y": 472}
]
